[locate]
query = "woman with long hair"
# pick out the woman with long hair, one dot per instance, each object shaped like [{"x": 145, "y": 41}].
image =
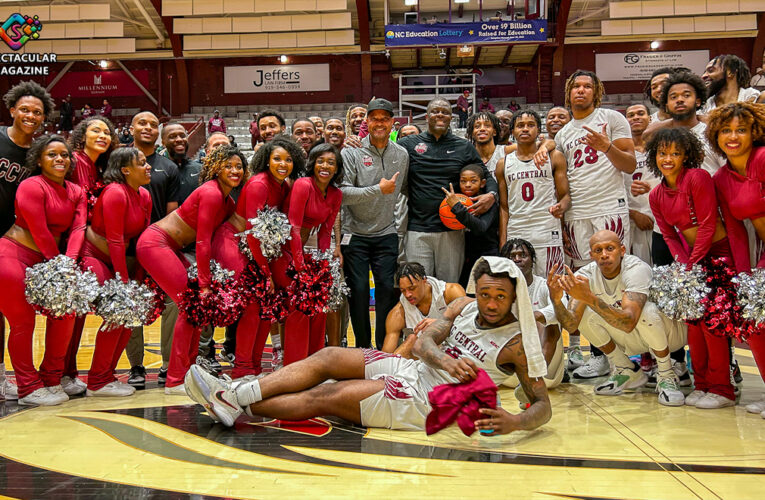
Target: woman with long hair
[
  {"x": 276, "y": 163},
  {"x": 92, "y": 142},
  {"x": 48, "y": 207},
  {"x": 737, "y": 131},
  {"x": 159, "y": 248},
  {"x": 313, "y": 204},
  {"x": 686, "y": 210},
  {"x": 120, "y": 215}
]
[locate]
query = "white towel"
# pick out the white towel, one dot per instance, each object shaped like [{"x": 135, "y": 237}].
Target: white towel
[{"x": 529, "y": 333}]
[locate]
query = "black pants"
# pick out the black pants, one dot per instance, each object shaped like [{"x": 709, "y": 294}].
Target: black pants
[
  {"x": 463, "y": 118},
  {"x": 660, "y": 253},
  {"x": 378, "y": 253}
]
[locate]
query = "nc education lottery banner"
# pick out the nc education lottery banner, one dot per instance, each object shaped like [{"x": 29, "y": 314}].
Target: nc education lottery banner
[{"x": 402, "y": 35}]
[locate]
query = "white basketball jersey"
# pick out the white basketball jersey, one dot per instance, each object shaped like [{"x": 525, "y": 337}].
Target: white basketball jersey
[
  {"x": 413, "y": 315},
  {"x": 540, "y": 299},
  {"x": 641, "y": 173},
  {"x": 712, "y": 161},
  {"x": 747, "y": 94},
  {"x": 530, "y": 194},
  {"x": 634, "y": 277},
  {"x": 467, "y": 340},
  {"x": 596, "y": 186},
  {"x": 491, "y": 165}
]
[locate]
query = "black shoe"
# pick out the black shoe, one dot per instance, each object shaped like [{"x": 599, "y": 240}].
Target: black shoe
[
  {"x": 736, "y": 372},
  {"x": 566, "y": 377},
  {"x": 137, "y": 376},
  {"x": 162, "y": 376}
]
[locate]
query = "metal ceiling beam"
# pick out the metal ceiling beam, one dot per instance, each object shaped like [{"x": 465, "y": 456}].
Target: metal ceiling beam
[
  {"x": 507, "y": 55},
  {"x": 362, "y": 11},
  {"x": 477, "y": 55},
  {"x": 587, "y": 16},
  {"x": 139, "y": 6},
  {"x": 182, "y": 82}
]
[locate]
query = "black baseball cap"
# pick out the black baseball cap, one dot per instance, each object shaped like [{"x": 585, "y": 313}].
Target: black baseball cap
[{"x": 382, "y": 104}]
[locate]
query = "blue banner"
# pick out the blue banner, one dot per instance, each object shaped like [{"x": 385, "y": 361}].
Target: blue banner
[{"x": 402, "y": 35}]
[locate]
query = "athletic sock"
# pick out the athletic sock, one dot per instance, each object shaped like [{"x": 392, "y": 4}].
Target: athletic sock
[
  {"x": 573, "y": 340},
  {"x": 248, "y": 393},
  {"x": 664, "y": 366},
  {"x": 620, "y": 360}
]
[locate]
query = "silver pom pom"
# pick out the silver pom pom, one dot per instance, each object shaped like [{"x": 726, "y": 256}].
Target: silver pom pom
[
  {"x": 272, "y": 228},
  {"x": 751, "y": 295},
  {"x": 124, "y": 304},
  {"x": 59, "y": 288},
  {"x": 218, "y": 273},
  {"x": 339, "y": 290},
  {"x": 679, "y": 293}
]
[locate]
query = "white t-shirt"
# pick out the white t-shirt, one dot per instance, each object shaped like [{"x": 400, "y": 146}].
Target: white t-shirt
[
  {"x": 540, "y": 300},
  {"x": 530, "y": 194},
  {"x": 712, "y": 161},
  {"x": 634, "y": 277},
  {"x": 491, "y": 165},
  {"x": 596, "y": 186},
  {"x": 413, "y": 315},
  {"x": 747, "y": 94},
  {"x": 641, "y": 173}
]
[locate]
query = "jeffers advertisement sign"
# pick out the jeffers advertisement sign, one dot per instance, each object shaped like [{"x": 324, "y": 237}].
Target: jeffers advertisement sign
[{"x": 276, "y": 78}]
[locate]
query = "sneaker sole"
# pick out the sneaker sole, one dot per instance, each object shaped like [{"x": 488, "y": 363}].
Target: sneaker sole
[{"x": 197, "y": 389}]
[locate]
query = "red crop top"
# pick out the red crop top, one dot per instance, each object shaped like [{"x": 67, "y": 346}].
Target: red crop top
[
  {"x": 204, "y": 210},
  {"x": 692, "y": 204},
  {"x": 85, "y": 172},
  {"x": 121, "y": 214},
  {"x": 308, "y": 208},
  {"x": 48, "y": 210},
  {"x": 741, "y": 198},
  {"x": 260, "y": 191}
]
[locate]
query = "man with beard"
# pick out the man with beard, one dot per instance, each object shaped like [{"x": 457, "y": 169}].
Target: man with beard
[
  {"x": 556, "y": 118},
  {"x": 654, "y": 87},
  {"x": 375, "y": 175},
  {"x": 304, "y": 133},
  {"x": 176, "y": 141},
  {"x": 727, "y": 79},
  {"x": 334, "y": 132},
  {"x": 28, "y": 104},
  {"x": 318, "y": 123},
  {"x": 378, "y": 389},
  {"x": 354, "y": 119},
  {"x": 504, "y": 116},
  {"x": 436, "y": 158},
  {"x": 164, "y": 190},
  {"x": 682, "y": 96},
  {"x": 270, "y": 124}
]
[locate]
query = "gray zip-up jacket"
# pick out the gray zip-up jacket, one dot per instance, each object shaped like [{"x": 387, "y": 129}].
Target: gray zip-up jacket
[{"x": 369, "y": 212}]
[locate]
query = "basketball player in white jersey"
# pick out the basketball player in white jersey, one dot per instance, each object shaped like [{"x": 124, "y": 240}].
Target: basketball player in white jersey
[
  {"x": 379, "y": 389},
  {"x": 423, "y": 300},
  {"x": 522, "y": 253},
  {"x": 598, "y": 147},
  {"x": 641, "y": 218},
  {"x": 609, "y": 304},
  {"x": 533, "y": 199}
]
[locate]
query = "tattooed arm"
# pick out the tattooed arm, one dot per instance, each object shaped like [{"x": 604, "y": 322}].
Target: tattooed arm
[
  {"x": 501, "y": 421},
  {"x": 626, "y": 317},
  {"x": 570, "y": 317},
  {"x": 426, "y": 348}
]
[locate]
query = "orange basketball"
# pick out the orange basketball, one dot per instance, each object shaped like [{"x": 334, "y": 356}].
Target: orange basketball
[{"x": 447, "y": 217}]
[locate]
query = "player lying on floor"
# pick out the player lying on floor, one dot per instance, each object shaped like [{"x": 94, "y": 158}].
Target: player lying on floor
[{"x": 378, "y": 389}]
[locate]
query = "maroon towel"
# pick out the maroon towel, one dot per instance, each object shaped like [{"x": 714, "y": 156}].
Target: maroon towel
[{"x": 460, "y": 402}]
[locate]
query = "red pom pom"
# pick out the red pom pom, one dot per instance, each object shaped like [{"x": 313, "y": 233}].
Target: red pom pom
[
  {"x": 92, "y": 194},
  {"x": 222, "y": 306},
  {"x": 253, "y": 286},
  {"x": 723, "y": 314},
  {"x": 158, "y": 303},
  {"x": 309, "y": 289}
]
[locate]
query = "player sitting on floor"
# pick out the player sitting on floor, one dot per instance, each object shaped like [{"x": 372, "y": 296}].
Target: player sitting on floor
[
  {"x": 378, "y": 389},
  {"x": 423, "y": 300},
  {"x": 609, "y": 304}
]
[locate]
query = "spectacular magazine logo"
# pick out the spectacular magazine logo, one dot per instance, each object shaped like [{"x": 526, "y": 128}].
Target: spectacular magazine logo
[{"x": 19, "y": 29}]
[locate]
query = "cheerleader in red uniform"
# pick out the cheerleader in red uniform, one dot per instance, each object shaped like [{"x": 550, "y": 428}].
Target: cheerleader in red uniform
[
  {"x": 313, "y": 203},
  {"x": 276, "y": 161},
  {"x": 92, "y": 141},
  {"x": 47, "y": 207},
  {"x": 738, "y": 131},
  {"x": 122, "y": 212},
  {"x": 686, "y": 210},
  {"x": 159, "y": 248}
]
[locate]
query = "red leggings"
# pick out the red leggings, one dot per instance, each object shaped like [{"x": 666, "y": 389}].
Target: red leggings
[
  {"x": 15, "y": 258},
  {"x": 109, "y": 343},
  {"x": 161, "y": 257},
  {"x": 252, "y": 333}
]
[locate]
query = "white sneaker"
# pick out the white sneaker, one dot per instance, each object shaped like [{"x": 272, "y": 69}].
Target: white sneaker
[
  {"x": 177, "y": 390},
  {"x": 73, "y": 386},
  {"x": 41, "y": 397},
  {"x": 596, "y": 366},
  {"x": 214, "y": 394},
  {"x": 693, "y": 398},
  {"x": 8, "y": 390},
  {"x": 112, "y": 389},
  {"x": 683, "y": 375},
  {"x": 58, "y": 391},
  {"x": 712, "y": 401},
  {"x": 756, "y": 407},
  {"x": 620, "y": 380},
  {"x": 575, "y": 358},
  {"x": 669, "y": 392}
]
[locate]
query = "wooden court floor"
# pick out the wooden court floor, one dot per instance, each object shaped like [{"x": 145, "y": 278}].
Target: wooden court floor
[{"x": 595, "y": 447}]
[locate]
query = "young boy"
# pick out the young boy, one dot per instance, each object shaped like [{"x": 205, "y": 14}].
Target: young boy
[{"x": 482, "y": 233}]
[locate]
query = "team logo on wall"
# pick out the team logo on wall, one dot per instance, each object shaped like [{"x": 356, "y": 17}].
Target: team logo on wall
[
  {"x": 18, "y": 30},
  {"x": 421, "y": 148},
  {"x": 367, "y": 161}
]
